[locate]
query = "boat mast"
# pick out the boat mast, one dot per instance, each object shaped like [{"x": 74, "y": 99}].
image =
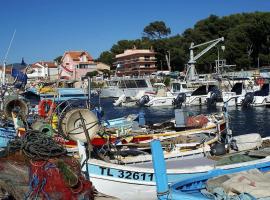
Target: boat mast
[{"x": 5, "y": 59}]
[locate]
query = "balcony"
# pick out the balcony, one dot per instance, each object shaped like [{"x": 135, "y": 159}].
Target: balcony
[{"x": 135, "y": 60}]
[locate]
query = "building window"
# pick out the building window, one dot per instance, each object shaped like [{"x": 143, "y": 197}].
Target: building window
[
  {"x": 146, "y": 58},
  {"x": 84, "y": 58},
  {"x": 147, "y": 65}
]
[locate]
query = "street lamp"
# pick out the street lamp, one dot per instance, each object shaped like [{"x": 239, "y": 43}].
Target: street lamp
[{"x": 218, "y": 63}]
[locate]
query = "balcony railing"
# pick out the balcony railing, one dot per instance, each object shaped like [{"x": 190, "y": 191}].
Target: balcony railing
[{"x": 134, "y": 60}]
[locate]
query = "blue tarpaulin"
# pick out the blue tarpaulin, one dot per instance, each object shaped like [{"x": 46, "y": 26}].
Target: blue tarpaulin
[{"x": 20, "y": 76}]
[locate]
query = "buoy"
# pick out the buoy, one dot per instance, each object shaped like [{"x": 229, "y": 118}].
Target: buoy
[
  {"x": 54, "y": 121},
  {"x": 45, "y": 106},
  {"x": 43, "y": 127}
]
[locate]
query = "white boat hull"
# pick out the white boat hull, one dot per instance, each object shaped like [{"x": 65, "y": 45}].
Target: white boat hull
[{"x": 124, "y": 190}]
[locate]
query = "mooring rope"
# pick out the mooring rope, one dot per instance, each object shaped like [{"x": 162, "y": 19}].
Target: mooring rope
[{"x": 36, "y": 146}]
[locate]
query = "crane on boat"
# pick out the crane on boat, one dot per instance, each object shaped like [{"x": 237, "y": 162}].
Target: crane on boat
[{"x": 191, "y": 74}]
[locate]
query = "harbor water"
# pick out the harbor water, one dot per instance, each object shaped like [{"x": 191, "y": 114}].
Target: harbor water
[{"x": 242, "y": 120}]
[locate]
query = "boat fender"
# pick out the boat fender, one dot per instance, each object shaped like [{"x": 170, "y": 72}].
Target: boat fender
[
  {"x": 141, "y": 118},
  {"x": 218, "y": 149},
  {"x": 45, "y": 106}
]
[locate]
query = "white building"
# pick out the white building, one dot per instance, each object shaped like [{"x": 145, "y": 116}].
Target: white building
[{"x": 43, "y": 69}]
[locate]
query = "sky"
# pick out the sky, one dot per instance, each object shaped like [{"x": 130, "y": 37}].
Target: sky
[{"x": 46, "y": 29}]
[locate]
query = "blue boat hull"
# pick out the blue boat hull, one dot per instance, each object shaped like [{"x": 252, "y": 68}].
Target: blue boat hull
[{"x": 6, "y": 134}]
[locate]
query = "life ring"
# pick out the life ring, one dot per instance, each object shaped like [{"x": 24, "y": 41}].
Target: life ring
[
  {"x": 260, "y": 81},
  {"x": 45, "y": 106}
]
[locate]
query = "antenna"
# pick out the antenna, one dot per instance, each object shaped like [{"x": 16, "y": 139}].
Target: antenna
[{"x": 5, "y": 58}]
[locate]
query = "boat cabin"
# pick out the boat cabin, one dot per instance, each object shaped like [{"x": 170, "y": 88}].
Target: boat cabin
[
  {"x": 203, "y": 90},
  {"x": 178, "y": 87},
  {"x": 264, "y": 91},
  {"x": 238, "y": 88},
  {"x": 128, "y": 83}
]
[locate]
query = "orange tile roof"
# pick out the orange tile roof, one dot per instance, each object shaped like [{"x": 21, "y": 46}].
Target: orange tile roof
[{"x": 75, "y": 55}]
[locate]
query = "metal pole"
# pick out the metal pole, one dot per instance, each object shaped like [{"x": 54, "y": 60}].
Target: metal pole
[
  {"x": 5, "y": 59},
  {"x": 218, "y": 60},
  {"x": 4, "y": 74},
  {"x": 89, "y": 91}
]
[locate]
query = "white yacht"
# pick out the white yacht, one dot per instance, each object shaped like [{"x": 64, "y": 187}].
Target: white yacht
[
  {"x": 163, "y": 96},
  {"x": 199, "y": 96},
  {"x": 233, "y": 97},
  {"x": 127, "y": 87}
]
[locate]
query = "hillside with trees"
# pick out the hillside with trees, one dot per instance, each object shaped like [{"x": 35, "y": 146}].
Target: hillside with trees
[{"x": 247, "y": 42}]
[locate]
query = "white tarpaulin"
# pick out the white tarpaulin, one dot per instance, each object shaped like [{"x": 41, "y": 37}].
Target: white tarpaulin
[{"x": 253, "y": 182}]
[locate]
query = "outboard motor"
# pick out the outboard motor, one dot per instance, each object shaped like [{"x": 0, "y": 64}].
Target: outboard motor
[
  {"x": 249, "y": 97},
  {"x": 143, "y": 100},
  {"x": 215, "y": 96},
  {"x": 179, "y": 100}
]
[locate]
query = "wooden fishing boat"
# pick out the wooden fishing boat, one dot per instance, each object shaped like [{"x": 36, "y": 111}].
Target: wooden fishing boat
[
  {"x": 216, "y": 124},
  {"x": 6, "y": 134},
  {"x": 139, "y": 180},
  {"x": 190, "y": 189}
]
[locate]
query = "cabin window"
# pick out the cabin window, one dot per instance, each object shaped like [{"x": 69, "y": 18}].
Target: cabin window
[
  {"x": 121, "y": 84},
  {"x": 176, "y": 87},
  {"x": 130, "y": 84},
  {"x": 141, "y": 83},
  {"x": 147, "y": 65},
  {"x": 112, "y": 83},
  {"x": 146, "y": 58}
]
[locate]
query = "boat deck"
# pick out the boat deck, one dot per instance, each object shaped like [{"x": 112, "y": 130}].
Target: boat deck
[{"x": 181, "y": 163}]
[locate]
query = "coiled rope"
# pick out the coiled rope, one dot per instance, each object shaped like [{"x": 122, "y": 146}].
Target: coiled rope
[{"x": 36, "y": 146}]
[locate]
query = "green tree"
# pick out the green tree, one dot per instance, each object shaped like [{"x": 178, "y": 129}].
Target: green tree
[
  {"x": 106, "y": 57},
  {"x": 58, "y": 59},
  {"x": 156, "y": 30},
  {"x": 91, "y": 74}
]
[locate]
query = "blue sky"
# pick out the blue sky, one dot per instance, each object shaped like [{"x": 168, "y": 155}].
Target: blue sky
[{"x": 47, "y": 28}]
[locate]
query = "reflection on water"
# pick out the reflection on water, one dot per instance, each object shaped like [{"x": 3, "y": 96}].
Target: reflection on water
[{"x": 249, "y": 120}]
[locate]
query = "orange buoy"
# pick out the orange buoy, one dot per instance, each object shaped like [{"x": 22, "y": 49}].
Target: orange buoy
[{"x": 45, "y": 106}]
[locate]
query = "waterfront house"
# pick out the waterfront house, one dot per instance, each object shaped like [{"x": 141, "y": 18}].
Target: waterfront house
[
  {"x": 75, "y": 64},
  {"x": 135, "y": 62},
  {"x": 43, "y": 69}
]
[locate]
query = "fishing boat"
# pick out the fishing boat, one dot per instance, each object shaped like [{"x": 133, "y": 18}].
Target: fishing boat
[
  {"x": 6, "y": 134},
  {"x": 162, "y": 97},
  {"x": 121, "y": 130},
  {"x": 128, "y": 87},
  {"x": 57, "y": 94},
  {"x": 190, "y": 188},
  {"x": 139, "y": 180},
  {"x": 198, "y": 97},
  {"x": 232, "y": 97}
]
